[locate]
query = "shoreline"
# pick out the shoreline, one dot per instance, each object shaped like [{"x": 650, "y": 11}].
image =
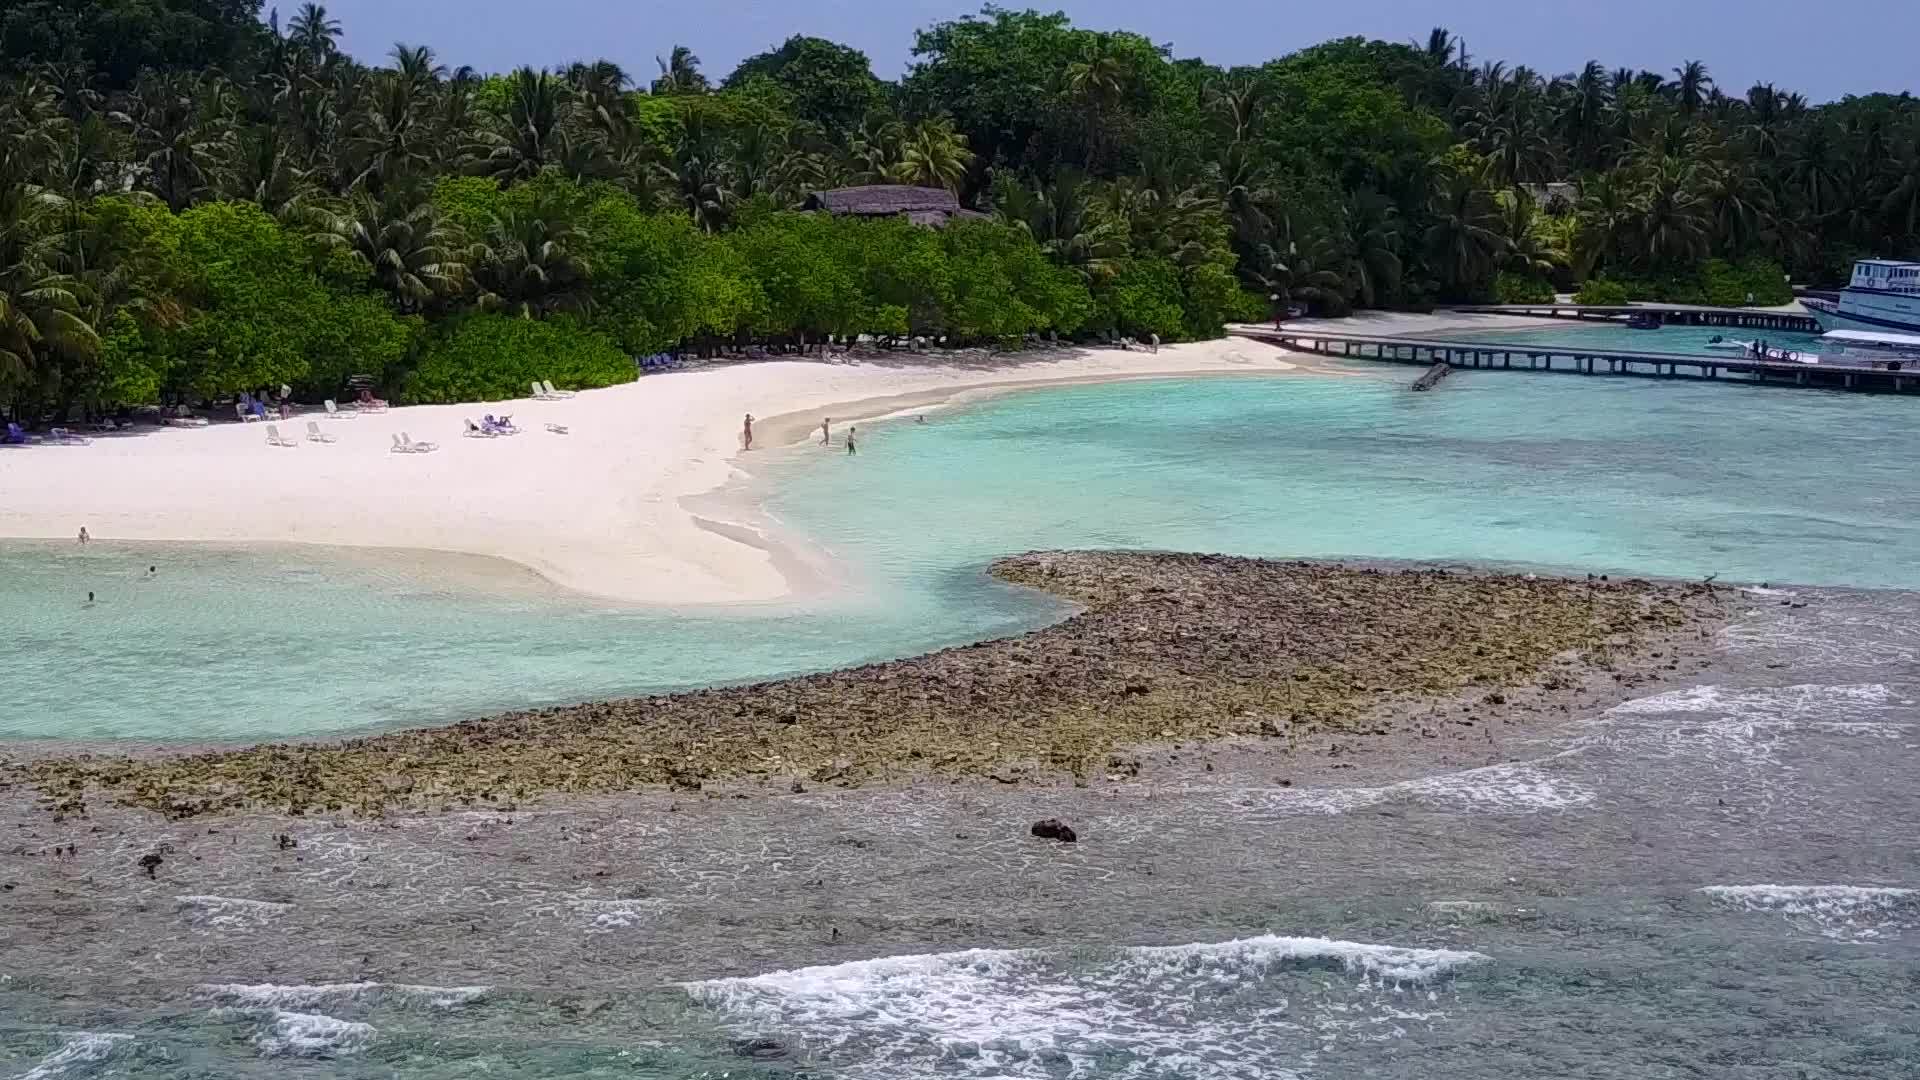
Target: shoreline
[{"x": 624, "y": 509}]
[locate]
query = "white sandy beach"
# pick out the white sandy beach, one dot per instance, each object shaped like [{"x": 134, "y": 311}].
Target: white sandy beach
[{"x": 598, "y": 510}]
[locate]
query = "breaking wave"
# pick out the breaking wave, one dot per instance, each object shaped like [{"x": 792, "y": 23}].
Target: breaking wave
[{"x": 1229, "y": 1010}]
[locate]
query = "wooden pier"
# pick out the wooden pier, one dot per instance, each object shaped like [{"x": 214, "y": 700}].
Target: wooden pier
[
  {"x": 1668, "y": 314},
  {"x": 1887, "y": 376}
]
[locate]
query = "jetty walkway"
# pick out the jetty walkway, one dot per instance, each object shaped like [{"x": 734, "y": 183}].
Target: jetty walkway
[
  {"x": 1830, "y": 373},
  {"x": 1668, "y": 314}
]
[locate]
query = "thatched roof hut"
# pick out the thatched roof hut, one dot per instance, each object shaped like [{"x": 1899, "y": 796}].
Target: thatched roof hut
[{"x": 933, "y": 207}]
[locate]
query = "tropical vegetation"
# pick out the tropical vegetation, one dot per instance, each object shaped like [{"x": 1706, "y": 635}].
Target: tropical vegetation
[{"x": 195, "y": 200}]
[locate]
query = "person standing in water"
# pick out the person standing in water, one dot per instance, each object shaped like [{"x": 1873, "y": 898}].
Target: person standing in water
[
  {"x": 83, "y": 534},
  {"x": 746, "y": 433},
  {"x": 826, "y": 431},
  {"x": 850, "y": 432}
]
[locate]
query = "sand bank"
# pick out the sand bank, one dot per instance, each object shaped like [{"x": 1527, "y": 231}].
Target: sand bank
[{"x": 598, "y": 510}]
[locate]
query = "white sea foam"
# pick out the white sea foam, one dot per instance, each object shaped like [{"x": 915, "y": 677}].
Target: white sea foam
[
  {"x": 1781, "y": 703},
  {"x": 228, "y": 912},
  {"x": 607, "y": 916},
  {"x": 1514, "y": 788},
  {"x": 85, "y": 1048},
  {"x": 1841, "y": 912},
  {"x": 1210, "y": 1010},
  {"x": 327, "y": 995},
  {"x": 303, "y": 1034}
]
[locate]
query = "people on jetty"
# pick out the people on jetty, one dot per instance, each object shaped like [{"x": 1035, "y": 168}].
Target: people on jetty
[{"x": 746, "y": 433}]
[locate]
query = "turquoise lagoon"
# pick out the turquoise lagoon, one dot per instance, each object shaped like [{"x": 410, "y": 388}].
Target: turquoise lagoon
[{"x": 1543, "y": 471}]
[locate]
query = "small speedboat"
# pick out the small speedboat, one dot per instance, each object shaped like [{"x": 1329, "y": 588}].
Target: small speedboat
[
  {"x": 1643, "y": 322},
  {"x": 1724, "y": 345}
]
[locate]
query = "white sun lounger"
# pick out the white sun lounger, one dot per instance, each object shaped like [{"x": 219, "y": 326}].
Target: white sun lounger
[
  {"x": 475, "y": 431},
  {"x": 246, "y": 417},
  {"x": 417, "y": 447},
  {"x": 334, "y": 412},
  {"x": 314, "y": 434},
  {"x": 274, "y": 437},
  {"x": 67, "y": 436},
  {"x": 547, "y": 384},
  {"x": 540, "y": 392}
]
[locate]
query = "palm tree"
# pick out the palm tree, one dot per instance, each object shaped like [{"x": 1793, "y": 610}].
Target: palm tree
[
  {"x": 1606, "y": 216},
  {"x": 1059, "y": 217},
  {"x": 1287, "y": 273},
  {"x": 1098, "y": 80},
  {"x": 1464, "y": 240},
  {"x": 1583, "y": 117},
  {"x": 407, "y": 250},
  {"x": 39, "y": 307},
  {"x": 1526, "y": 252},
  {"x": 1673, "y": 218},
  {"x": 417, "y": 67},
  {"x": 527, "y": 266},
  {"x": 933, "y": 154},
  {"x": 314, "y": 34},
  {"x": 177, "y": 154},
  {"x": 1238, "y": 105},
  {"x": 1373, "y": 267},
  {"x": 531, "y": 135},
  {"x": 1690, "y": 86},
  {"x": 679, "y": 73}
]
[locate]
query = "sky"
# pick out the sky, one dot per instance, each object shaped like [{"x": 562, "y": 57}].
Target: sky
[{"x": 1823, "y": 51}]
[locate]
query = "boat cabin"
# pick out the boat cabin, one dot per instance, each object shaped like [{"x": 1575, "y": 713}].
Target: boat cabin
[{"x": 1886, "y": 275}]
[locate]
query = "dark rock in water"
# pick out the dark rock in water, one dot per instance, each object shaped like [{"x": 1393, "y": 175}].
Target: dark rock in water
[
  {"x": 150, "y": 863},
  {"x": 761, "y": 1048},
  {"x": 1055, "y": 829}
]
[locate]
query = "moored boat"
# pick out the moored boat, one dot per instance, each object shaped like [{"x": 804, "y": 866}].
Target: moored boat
[{"x": 1884, "y": 295}]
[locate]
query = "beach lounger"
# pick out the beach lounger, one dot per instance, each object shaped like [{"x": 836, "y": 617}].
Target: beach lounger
[
  {"x": 399, "y": 447},
  {"x": 557, "y": 429},
  {"x": 240, "y": 410},
  {"x": 547, "y": 384},
  {"x": 334, "y": 412},
  {"x": 417, "y": 447},
  {"x": 540, "y": 393},
  {"x": 475, "y": 431},
  {"x": 274, "y": 438},
  {"x": 314, "y": 434},
  {"x": 68, "y": 437}
]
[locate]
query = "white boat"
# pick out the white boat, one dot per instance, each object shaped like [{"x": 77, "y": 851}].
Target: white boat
[
  {"x": 1730, "y": 346},
  {"x": 1883, "y": 296},
  {"x": 1904, "y": 344}
]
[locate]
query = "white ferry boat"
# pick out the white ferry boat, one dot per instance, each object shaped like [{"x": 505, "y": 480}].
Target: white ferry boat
[{"x": 1884, "y": 295}]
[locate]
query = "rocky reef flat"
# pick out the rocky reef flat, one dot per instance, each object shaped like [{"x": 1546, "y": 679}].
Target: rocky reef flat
[{"x": 1169, "y": 649}]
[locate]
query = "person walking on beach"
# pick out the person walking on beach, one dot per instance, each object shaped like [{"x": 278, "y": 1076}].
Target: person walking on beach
[
  {"x": 1155, "y": 340},
  {"x": 850, "y": 432},
  {"x": 746, "y": 433},
  {"x": 826, "y": 431}
]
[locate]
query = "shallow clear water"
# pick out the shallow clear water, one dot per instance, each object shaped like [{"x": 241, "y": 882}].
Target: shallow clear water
[{"x": 1538, "y": 470}]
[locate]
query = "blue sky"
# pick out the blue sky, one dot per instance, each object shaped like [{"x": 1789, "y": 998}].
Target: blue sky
[{"x": 1822, "y": 50}]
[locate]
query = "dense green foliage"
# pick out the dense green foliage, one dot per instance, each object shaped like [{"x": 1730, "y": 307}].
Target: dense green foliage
[
  {"x": 194, "y": 203},
  {"x": 489, "y": 357}
]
